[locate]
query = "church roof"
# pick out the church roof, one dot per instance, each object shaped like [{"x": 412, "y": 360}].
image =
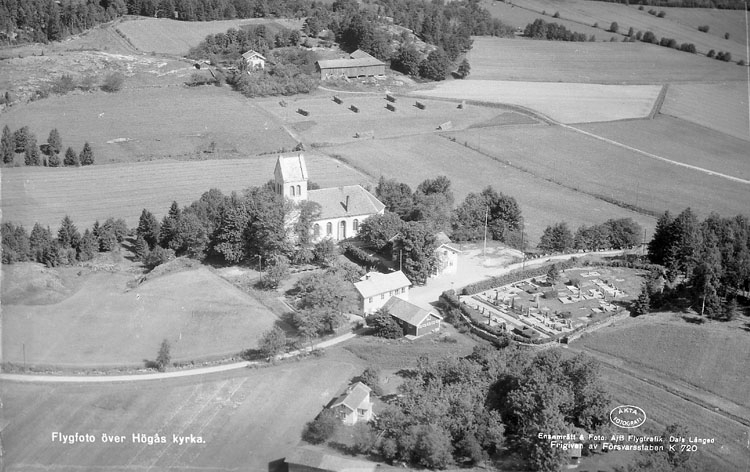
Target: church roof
[
  {"x": 334, "y": 204},
  {"x": 293, "y": 168}
]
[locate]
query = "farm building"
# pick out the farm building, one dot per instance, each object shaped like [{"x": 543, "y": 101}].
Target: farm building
[
  {"x": 359, "y": 64},
  {"x": 254, "y": 60},
  {"x": 415, "y": 321},
  {"x": 342, "y": 209},
  {"x": 354, "y": 405},
  {"x": 375, "y": 289}
]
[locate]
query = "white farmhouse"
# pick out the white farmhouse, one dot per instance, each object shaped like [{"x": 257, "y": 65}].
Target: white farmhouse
[
  {"x": 375, "y": 289},
  {"x": 254, "y": 60}
]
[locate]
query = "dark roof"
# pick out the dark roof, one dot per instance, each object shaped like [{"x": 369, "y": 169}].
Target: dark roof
[
  {"x": 375, "y": 283},
  {"x": 347, "y": 63},
  {"x": 407, "y": 312},
  {"x": 360, "y": 54},
  {"x": 333, "y": 202}
]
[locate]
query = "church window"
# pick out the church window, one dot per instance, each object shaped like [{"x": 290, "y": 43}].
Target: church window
[
  {"x": 292, "y": 190},
  {"x": 329, "y": 229},
  {"x": 299, "y": 190},
  {"x": 316, "y": 230},
  {"x": 355, "y": 226}
]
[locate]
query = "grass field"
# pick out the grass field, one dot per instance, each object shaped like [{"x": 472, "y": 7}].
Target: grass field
[
  {"x": 565, "y": 102},
  {"x": 680, "y": 28},
  {"x": 248, "y": 419},
  {"x": 720, "y": 106},
  {"x": 414, "y": 159},
  {"x": 165, "y": 36},
  {"x": 705, "y": 361},
  {"x": 605, "y": 63},
  {"x": 154, "y": 123},
  {"x": 103, "y": 323},
  {"x": 89, "y": 193},
  {"x": 329, "y": 122},
  {"x": 600, "y": 168}
]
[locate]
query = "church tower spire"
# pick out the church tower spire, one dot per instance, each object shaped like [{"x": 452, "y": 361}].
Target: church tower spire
[{"x": 290, "y": 177}]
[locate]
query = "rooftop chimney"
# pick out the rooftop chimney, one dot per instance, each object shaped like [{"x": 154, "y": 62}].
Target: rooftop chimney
[{"x": 346, "y": 205}]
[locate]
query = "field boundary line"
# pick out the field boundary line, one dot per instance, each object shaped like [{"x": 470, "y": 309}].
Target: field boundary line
[
  {"x": 656, "y": 157},
  {"x": 656, "y": 109}
]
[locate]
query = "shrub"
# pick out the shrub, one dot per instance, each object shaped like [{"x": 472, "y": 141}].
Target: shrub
[
  {"x": 688, "y": 47},
  {"x": 596, "y": 25},
  {"x": 322, "y": 428},
  {"x": 703, "y": 29},
  {"x": 556, "y": 15},
  {"x": 614, "y": 27},
  {"x": 662, "y": 14},
  {"x": 711, "y": 53},
  {"x": 640, "y": 7},
  {"x": 726, "y": 35},
  {"x": 63, "y": 84},
  {"x": 113, "y": 82},
  {"x": 741, "y": 62},
  {"x": 358, "y": 254}
]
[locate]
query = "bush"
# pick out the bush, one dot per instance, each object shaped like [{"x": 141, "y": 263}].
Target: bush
[
  {"x": 63, "y": 84},
  {"x": 322, "y": 428},
  {"x": 741, "y": 62},
  {"x": 711, "y": 53},
  {"x": 358, "y": 255},
  {"x": 688, "y": 47},
  {"x": 662, "y": 14},
  {"x": 113, "y": 82},
  {"x": 726, "y": 35},
  {"x": 614, "y": 27},
  {"x": 515, "y": 276},
  {"x": 703, "y": 29},
  {"x": 556, "y": 15}
]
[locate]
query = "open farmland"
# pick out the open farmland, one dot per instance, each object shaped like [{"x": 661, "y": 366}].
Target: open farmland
[
  {"x": 720, "y": 106},
  {"x": 104, "y": 323},
  {"x": 247, "y": 419},
  {"x": 604, "y": 13},
  {"x": 329, "y": 122},
  {"x": 414, "y": 159},
  {"x": 153, "y": 123},
  {"x": 165, "y": 36},
  {"x": 600, "y": 168},
  {"x": 565, "y": 102},
  {"x": 604, "y": 63},
  {"x": 38, "y": 194}
]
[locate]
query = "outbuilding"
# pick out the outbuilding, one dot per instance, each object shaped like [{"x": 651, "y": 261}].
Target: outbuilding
[
  {"x": 414, "y": 320},
  {"x": 359, "y": 64}
]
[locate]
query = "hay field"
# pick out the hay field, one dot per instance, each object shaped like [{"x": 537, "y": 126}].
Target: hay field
[
  {"x": 248, "y": 419},
  {"x": 604, "y": 63},
  {"x": 412, "y": 160},
  {"x": 604, "y": 13},
  {"x": 166, "y": 36},
  {"x": 154, "y": 123},
  {"x": 564, "y": 102},
  {"x": 680, "y": 141},
  {"x": 600, "y": 168},
  {"x": 721, "y": 106},
  {"x": 105, "y": 324},
  {"x": 122, "y": 190},
  {"x": 329, "y": 122}
]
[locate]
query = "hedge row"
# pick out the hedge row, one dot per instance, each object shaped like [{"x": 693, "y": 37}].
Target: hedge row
[
  {"x": 359, "y": 255},
  {"x": 515, "y": 276}
]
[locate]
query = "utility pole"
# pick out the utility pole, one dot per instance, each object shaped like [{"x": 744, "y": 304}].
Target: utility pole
[
  {"x": 486, "y": 214},
  {"x": 400, "y": 259},
  {"x": 523, "y": 251}
]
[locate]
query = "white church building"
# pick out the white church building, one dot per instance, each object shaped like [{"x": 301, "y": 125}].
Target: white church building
[{"x": 342, "y": 209}]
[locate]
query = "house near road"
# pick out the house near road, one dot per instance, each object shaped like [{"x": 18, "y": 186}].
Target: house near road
[
  {"x": 354, "y": 405},
  {"x": 447, "y": 255},
  {"x": 414, "y": 320},
  {"x": 375, "y": 289},
  {"x": 359, "y": 64},
  {"x": 342, "y": 209},
  {"x": 254, "y": 60}
]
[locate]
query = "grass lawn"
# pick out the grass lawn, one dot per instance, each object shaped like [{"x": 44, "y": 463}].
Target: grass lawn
[
  {"x": 165, "y": 36},
  {"x": 154, "y": 123},
  {"x": 604, "y": 63},
  {"x": 412, "y": 160},
  {"x": 600, "y": 168},
  {"x": 720, "y": 106},
  {"x": 247, "y": 419},
  {"x": 103, "y": 323},
  {"x": 46, "y": 195}
]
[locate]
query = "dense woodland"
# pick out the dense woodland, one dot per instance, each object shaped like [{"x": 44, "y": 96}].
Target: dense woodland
[{"x": 721, "y": 4}]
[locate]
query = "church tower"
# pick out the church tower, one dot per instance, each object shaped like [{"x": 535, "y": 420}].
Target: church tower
[{"x": 290, "y": 177}]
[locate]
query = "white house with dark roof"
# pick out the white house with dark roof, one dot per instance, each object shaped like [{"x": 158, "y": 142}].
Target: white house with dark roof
[
  {"x": 375, "y": 289},
  {"x": 254, "y": 60},
  {"x": 342, "y": 209},
  {"x": 447, "y": 255},
  {"x": 414, "y": 320},
  {"x": 354, "y": 405}
]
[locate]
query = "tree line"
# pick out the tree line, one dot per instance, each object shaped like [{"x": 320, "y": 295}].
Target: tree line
[
  {"x": 720, "y": 4},
  {"x": 23, "y": 142},
  {"x": 621, "y": 233}
]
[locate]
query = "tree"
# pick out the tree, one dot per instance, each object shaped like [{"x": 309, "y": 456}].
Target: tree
[
  {"x": 158, "y": 256},
  {"x": 71, "y": 158},
  {"x": 417, "y": 244},
  {"x": 325, "y": 252},
  {"x": 435, "y": 66},
  {"x": 87, "y": 155},
  {"x": 7, "y": 146},
  {"x": 434, "y": 449},
  {"x": 396, "y": 196},
  {"x": 68, "y": 235},
  {"x": 168, "y": 228},
  {"x": 54, "y": 141},
  {"x": 189, "y": 236},
  {"x": 148, "y": 228},
  {"x": 556, "y": 238},
  {"x": 642, "y": 304},
  {"x": 553, "y": 274},
  {"x": 272, "y": 342},
  {"x": 322, "y": 428},
  {"x": 322, "y": 302},
  {"x": 89, "y": 246},
  {"x": 40, "y": 240},
  {"x": 164, "y": 357},
  {"x": 464, "y": 69},
  {"x": 31, "y": 153},
  {"x": 54, "y": 160},
  {"x": 371, "y": 377},
  {"x": 614, "y": 27},
  {"x": 20, "y": 138},
  {"x": 276, "y": 272},
  {"x": 500, "y": 212},
  {"x": 384, "y": 326},
  {"x": 140, "y": 248},
  {"x": 15, "y": 243},
  {"x": 407, "y": 60},
  {"x": 379, "y": 230}
]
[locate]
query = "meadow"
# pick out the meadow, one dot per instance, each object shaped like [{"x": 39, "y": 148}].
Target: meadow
[
  {"x": 564, "y": 102},
  {"x": 153, "y": 123},
  {"x": 604, "y": 63},
  {"x": 414, "y": 159},
  {"x": 720, "y": 106},
  {"x": 165, "y": 36},
  {"x": 600, "y": 168},
  {"x": 329, "y": 122},
  {"x": 92, "y": 193},
  {"x": 103, "y": 323},
  {"x": 248, "y": 419},
  {"x": 681, "y": 28}
]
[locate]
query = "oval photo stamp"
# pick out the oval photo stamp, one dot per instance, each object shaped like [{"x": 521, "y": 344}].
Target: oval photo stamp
[{"x": 627, "y": 416}]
